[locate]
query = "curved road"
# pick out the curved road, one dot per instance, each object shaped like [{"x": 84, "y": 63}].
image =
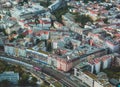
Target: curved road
[{"x": 49, "y": 71}]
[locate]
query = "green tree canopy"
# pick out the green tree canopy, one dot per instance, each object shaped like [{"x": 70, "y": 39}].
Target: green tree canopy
[
  {"x": 5, "y": 83},
  {"x": 83, "y": 19}
]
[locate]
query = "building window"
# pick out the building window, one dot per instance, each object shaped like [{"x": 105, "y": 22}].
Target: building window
[{"x": 77, "y": 74}]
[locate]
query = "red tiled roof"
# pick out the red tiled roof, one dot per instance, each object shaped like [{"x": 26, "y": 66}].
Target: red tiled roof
[
  {"x": 41, "y": 32},
  {"x": 28, "y": 32},
  {"x": 118, "y": 35}
]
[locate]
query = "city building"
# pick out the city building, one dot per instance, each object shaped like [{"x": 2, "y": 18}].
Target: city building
[
  {"x": 56, "y": 5},
  {"x": 10, "y": 76},
  {"x": 29, "y": 10},
  {"x": 38, "y": 57},
  {"x": 81, "y": 72},
  {"x": 34, "y": 33}
]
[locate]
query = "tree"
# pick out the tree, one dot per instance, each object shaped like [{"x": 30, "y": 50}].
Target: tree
[
  {"x": 105, "y": 20},
  {"x": 26, "y": 1},
  {"x": 49, "y": 46},
  {"x": 3, "y": 66},
  {"x": 57, "y": 84},
  {"x": 19, "y": 69},
  {"x": 24, "y": 80},
  {"x": 12, "y": 39},
  {"x": 4, "y": 31},
  {"x": 5, "y": 83},
  {"x": 45, "y": 3},
  {"x": 33, "y": 81},
  {"x": 109, "y": 7},
  {"x": 83, "y": 19},
  {"x": 13, "y": 32},
  {"x": 58, "y": 13},
  {"x": 21, "y": 36},
  {"x": 8, "y": 13},
  {"x": 37, "y": 20},
  {"x": 43, "y": 85},
  {"x": 25, "y": 76},
  {"x": 37, "y": 41},
  {"x": 20, "y": 3}
]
